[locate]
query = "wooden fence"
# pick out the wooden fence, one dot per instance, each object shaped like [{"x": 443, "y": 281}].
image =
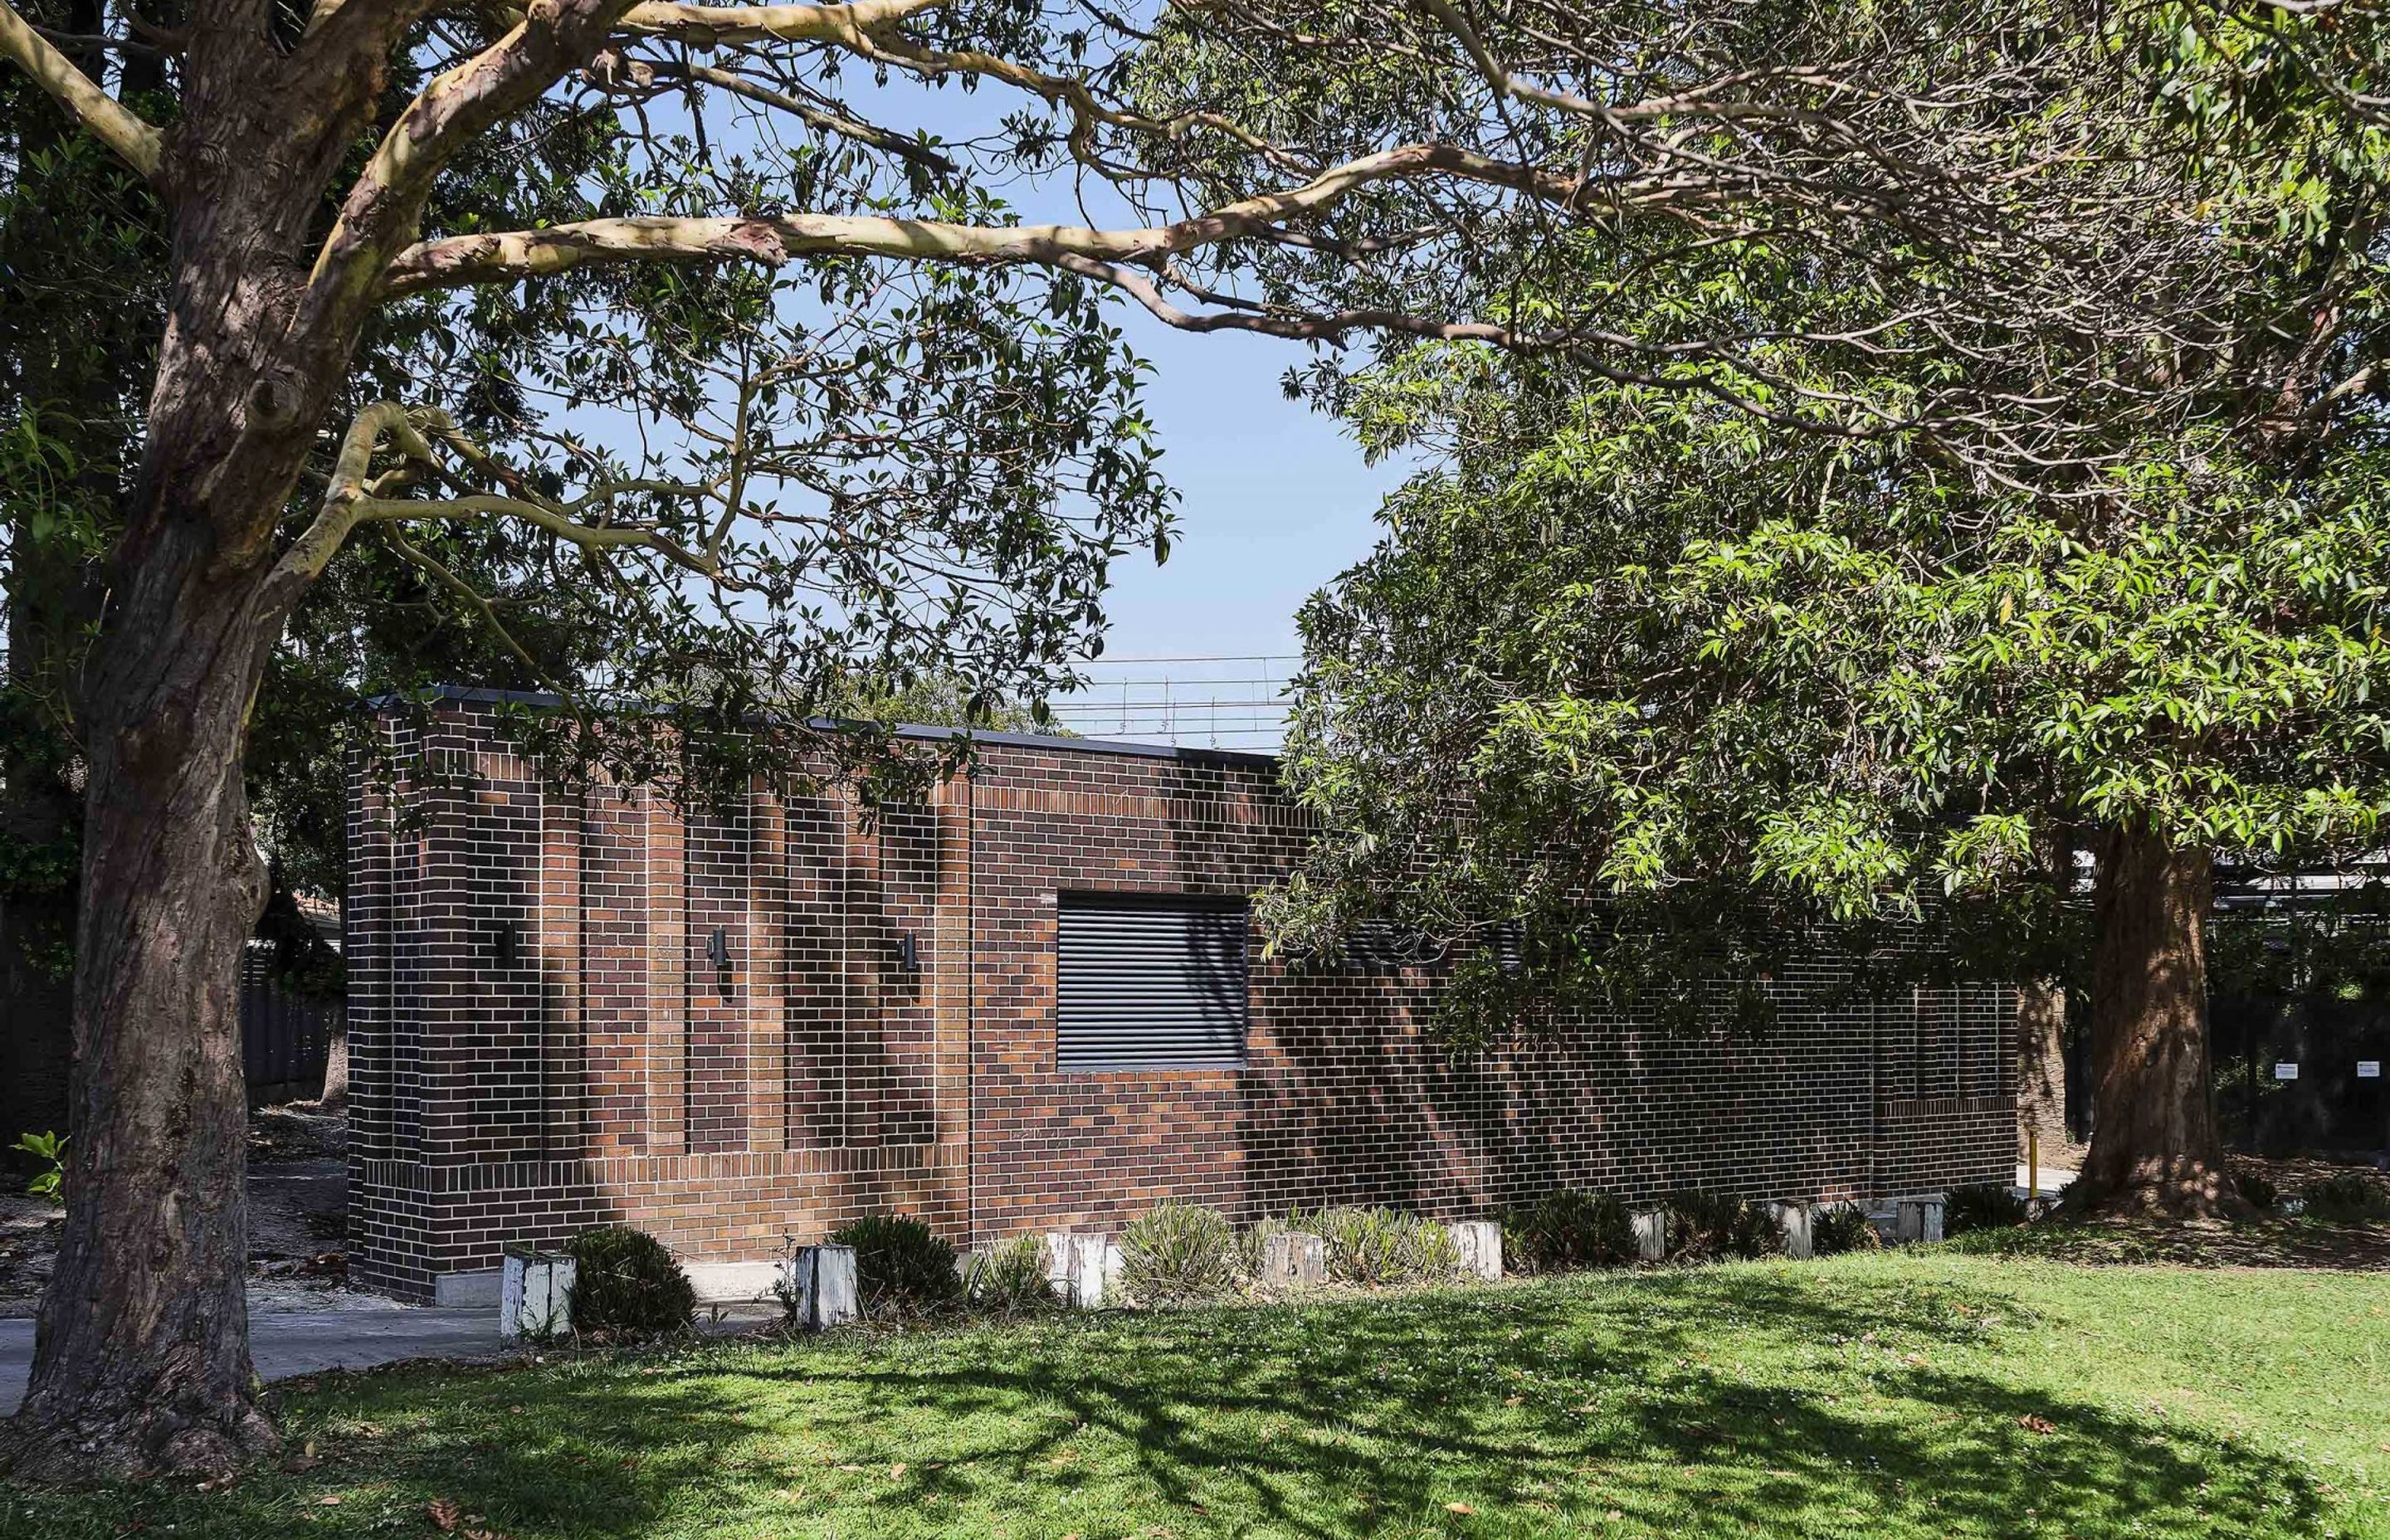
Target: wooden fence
[{"x": 286, "y": 1039}]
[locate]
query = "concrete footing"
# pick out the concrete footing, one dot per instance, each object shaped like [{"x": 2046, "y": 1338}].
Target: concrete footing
[
  {"x": 535, "y": 1295},
  {"x": 483, "y": 1286},
  {"x": 1479, "y": 1242},
  {"x": 1798, "y": 1220},
  {"x": 1920, "y": 1220},
  {"x": 1292, "y": 1258},
  {"x": 1651, "y": 1233},
  {"x": 1084, "y": 1270},
  {"x": 733, "y": 1282},
  {"x": 821, "y": 1287}
]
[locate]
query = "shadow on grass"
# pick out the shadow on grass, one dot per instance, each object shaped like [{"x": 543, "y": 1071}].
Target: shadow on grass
[
  {"x": 2353, "y": 1245},
  {"x": 1734, "y": 1400}
]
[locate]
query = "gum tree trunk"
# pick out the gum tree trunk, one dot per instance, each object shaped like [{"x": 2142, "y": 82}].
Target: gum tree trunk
[
  {"x": 2154, "y": 1139},
  {"x": 2041, "y": 1020},
  {"x": 141, "y": 1363},
  {"x": 141, "y": 1356}
]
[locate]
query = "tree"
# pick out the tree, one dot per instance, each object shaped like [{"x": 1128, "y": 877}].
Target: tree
[
  {"x": 146, "y": 1357},
  {"x": 1661, "y": 649},
  {"x": 907, "y": 447},
  {"x": 82, "y": 297},
  {"x": 1625, "y": 645}
]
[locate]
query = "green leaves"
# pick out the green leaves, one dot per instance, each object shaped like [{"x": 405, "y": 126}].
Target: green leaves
[
  {"x": 49, "y": 1148},
  {"x": 1646, "y": 675}
]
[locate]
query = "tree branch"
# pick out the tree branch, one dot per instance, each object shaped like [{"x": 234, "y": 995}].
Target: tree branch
[
  {"x": 489, "y": 612},
  {"x": 848, "y": 23},
  {"x": 383, "y": 207},
  {"x": 137, "y": 143},
  {"x": 593, "y": 537},
  {"x": 350, "y": 501},
  {"x": 820, "y": 120},
  {"x": 456, "y": 261}
]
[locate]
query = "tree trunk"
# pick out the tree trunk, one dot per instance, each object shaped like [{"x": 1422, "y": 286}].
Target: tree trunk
[
  {"x": 141, "y": 1358},
  {"x": 2041, "y": 1067},
  {"x": 334, "y": 1097},
  {"x": 2154, "y": 1141},
  {"x": 141, "y": 1362}
]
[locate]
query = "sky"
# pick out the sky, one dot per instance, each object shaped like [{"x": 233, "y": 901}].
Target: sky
[{"x": 1275, "y": 500}]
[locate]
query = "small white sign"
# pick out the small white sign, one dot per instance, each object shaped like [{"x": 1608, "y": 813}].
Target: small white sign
[
  {"x": 2368, "y": 1069},
  {"x": 2286, "y": 1070}
]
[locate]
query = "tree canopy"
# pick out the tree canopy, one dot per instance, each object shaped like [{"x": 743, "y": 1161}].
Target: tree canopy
[
  {"x": 1631, "y": 644},
  {"x": 1801, "y": 652}
]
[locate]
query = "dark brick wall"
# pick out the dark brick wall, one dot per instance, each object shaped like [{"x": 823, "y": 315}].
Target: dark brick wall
[{"x": 616, "y": 1072}]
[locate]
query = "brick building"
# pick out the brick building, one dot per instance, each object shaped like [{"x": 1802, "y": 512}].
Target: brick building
[{"x": 1030, "y": 1001}]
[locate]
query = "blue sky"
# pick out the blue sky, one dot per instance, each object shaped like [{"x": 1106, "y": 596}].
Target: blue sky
[{"x": 1276, "y": 500}]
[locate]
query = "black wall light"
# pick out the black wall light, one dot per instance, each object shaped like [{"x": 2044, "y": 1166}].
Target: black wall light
[
  {"x": 908, "y": 953},
  {"x": 506, "y": 943},
  {"x": 717, "y": 947}
]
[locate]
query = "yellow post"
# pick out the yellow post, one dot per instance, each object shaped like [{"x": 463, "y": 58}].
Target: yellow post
[{"x": 2032, "y": 1163}]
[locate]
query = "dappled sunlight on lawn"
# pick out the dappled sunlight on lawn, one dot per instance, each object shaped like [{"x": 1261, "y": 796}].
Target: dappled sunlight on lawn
[{"x": 1904, "y": 1395}]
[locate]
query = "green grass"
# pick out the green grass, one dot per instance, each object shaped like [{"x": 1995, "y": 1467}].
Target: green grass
[{"x": 1917, "y": 1393}]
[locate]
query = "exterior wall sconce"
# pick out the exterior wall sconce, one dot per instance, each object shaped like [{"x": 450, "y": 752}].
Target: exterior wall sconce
[
  {"x": 908, "y": 953},
  {"x": 506, "y": 943},
  {"x": 717, "y": 948}
]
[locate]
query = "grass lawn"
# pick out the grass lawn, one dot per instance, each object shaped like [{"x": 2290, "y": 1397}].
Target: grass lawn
[{"x": 1917, "y": 1393}]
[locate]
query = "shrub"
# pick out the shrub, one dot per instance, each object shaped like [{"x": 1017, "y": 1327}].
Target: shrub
[
  {"x": 1178, "y": 1253},
  {"x": 1011, "y": 1279},
  {"x": 1843, "y": 1227},
  {"x": 1699, "y": 1224},
  {"x": 1374, "y": 1247},
  {"x": 623, "y": 1280},
  {"x": 1985, "y": 1206},
  {"x": 901, "y": 1266},
  {"x": 1566, "y": 1229},
  {"x": 2351, "y": 1195},
  {"x": 1705, "y": 1226},
  {"x": 2255, "y": 1191},
  {"x": 1757, "y": 1232}
]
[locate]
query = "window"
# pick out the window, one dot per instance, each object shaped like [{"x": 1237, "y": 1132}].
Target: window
[{"x": 1150, "y": 981}]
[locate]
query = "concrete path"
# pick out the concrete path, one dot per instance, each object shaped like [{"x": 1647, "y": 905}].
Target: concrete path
[
  {"x": 285, "y": 1344},
  {"x": 2054, "y": 1179}
]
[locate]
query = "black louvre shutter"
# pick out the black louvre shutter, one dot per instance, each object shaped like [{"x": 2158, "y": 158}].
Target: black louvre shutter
[{"x": 1150, "y": 981}]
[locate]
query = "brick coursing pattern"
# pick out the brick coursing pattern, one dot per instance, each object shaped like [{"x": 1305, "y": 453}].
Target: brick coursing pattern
[{"x": 624, "y": 1069}]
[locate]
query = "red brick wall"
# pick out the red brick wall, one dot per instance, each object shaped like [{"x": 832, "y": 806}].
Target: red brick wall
[{"x": 617, "y": 1074}]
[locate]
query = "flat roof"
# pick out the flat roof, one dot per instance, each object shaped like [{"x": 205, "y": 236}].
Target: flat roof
[{"x": 916, "y": 731}]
